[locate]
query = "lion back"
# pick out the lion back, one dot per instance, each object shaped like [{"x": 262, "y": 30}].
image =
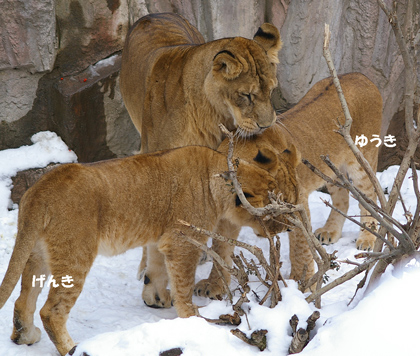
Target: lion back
[{"x": 144, "y": 43}]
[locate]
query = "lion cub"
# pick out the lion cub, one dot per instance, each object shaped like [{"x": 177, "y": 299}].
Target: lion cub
[
  {"x": 78, "y": 211},
  {"x": 310, "y": 126}
]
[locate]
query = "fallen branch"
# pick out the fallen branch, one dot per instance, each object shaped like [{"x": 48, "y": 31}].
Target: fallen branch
[
  {"x": 301, "y": 336},
  {"x": 258, "y": 338}
]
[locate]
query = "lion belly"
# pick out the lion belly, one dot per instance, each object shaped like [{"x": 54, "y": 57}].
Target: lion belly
[{"x": 113, "y": 206}]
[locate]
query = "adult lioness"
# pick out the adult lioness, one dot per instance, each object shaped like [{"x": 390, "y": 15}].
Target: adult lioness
[
  {"x": 77, "y": 211},
  {"x": 310, "y": 126},
  {"x": 177, "y": 89}
]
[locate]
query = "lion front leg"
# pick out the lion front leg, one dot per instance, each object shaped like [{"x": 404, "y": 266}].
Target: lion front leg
[
  {"x": 301, "y": 257},
  {"x": 212, "y": 287},
  {"x": 331, "y": 232},
  {"x": 155, "y": 293},
  {"x": 143, "y": 264},
  {"x": 181, "y": 259}
]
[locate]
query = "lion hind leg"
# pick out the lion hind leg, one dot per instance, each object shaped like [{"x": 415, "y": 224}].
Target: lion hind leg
[
  {"x": 331, "y": 231},
  {"x": 155, "y": 293},
  {"x": 70, "y": 278},
  {"x": 34, "y": 275},
  {"x": 365, "y": 240}
]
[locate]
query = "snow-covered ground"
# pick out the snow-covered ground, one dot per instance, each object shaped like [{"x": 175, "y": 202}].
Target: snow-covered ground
[{"x": 110, "y": 317}]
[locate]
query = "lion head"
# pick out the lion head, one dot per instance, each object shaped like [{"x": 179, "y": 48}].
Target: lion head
[
  {"x": 268, "y": 171},
  {"x": 242, "y": 79}
]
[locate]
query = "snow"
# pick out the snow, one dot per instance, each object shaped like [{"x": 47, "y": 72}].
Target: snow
[
  {"x": 107, "y": 62},
  {"x": 110, "y": 317}
]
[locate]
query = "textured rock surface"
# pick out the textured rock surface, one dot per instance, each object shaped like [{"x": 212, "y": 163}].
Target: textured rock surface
[
  {"x": 17, "y": 93},
  {"x": 89, "y": 114},
  {"x": 25, "y": 179},
  {"x": 89, "y": 31},
  {"x": 393, "y": 156},
  {"x": 48, "y": 48},
  {"x": 362, "y": 41},
  {"x": 28, "y": 33}
]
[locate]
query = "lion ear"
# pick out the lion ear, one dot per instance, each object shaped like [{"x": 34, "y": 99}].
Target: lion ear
[
  {"x": 291, "y": 155},
  {"x": 268, "y": 160},
  {"x": 227, "y": 64},
  {"x": 268, "y": 37}
]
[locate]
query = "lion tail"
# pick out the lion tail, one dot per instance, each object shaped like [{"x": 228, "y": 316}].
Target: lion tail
[{"x": 25, "y": 242}]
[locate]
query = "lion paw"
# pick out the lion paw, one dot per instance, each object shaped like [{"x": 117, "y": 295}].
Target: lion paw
[
  {"x": 365, "y": 242},
  {"x": 156, "y": 297},
  {"x": 26, "y": 336},
  {"x": 157, "y": 300},
  {"x": 327, "y": 237},
  {"x": 209, "y": 289}
]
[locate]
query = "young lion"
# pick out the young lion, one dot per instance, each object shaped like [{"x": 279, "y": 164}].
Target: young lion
[
  {"x": 311, "y": 126},
  {"x": 78, "y": 211},
  {"x": 177, "y": 88}
]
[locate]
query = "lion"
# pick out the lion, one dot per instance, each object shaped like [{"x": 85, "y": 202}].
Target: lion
[
  {"x": 178, "y": 89},
  {"x": 311, "y": 126},
  {"x": 77, "y": 211}
]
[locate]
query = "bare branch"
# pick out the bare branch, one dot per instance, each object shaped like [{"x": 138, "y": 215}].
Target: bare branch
[
  {"x": 363, "y": 226},
  {"x": 206, "y": 249},
  {"x": 415, "y": 224},
  {"x": 360, "y": 285},
  {"x": 410, "y": 84},
  {"x": 344, "y": 130},
  {"x": 322, "y": 175},
  {"x": 401, "y": 236},
  {"x": 349, "y": 275}
]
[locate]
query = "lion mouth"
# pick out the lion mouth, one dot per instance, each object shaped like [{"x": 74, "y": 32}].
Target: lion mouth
[
  {"x": 248, "y": 128},
  {"x": 247, "y": 132}
]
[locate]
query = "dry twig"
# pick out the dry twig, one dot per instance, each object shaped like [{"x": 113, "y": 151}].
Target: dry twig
[
  {"x": 344, "y": 129},
  {"x": 301, "y": 336},
  {"x": 383, "y": 214},
  {"x": 257, "y": 338}
]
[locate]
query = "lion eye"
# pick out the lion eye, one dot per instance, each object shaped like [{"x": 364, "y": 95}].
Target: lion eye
[{"x": 248, "y": 96}]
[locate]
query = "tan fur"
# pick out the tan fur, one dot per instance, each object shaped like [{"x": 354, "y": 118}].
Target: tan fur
[
  {"x": 177, "y": 89},
  {"x": 78, "y": 211},
  {"x": 310, "y": 126}
]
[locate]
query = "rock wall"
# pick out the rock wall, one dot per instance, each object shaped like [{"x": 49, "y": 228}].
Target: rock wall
[{"x": 59, "y": 60}]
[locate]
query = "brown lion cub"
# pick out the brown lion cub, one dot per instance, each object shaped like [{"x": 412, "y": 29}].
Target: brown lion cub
[
  {"x": 78, "y": 211},
  {"x": 310, "y": 126}
]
